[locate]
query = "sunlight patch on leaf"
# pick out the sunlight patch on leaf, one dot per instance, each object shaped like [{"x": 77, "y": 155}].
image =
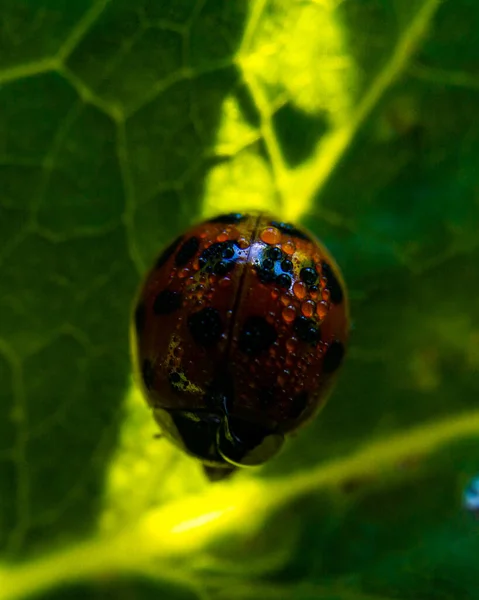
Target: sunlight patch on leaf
[
  {"x": 242, "y": 181},
  {"x": 234, "y": 132},
  {"x": 297, "y": 54},
  {"x": 302, "y": 50},
  {"x": 279, "y": 60},
  {"x": 145, "y": 471},
  {"x": 283, "y": 55},
  {"x": 306, "y": 182},
  {"x": 190, "y": 523}
]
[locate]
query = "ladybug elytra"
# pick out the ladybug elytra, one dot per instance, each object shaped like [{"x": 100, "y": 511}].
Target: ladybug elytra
[{"x": 238, "y": 331}]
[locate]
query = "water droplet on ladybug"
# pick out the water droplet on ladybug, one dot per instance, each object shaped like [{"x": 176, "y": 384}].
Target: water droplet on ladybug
[
  {"x": 291, "y": 344},
  {"x": 322, "y": 309},
  {"x": 289, "y": 313},
  {"x": 271, "y": 235},
  {"x": 300, "y": 290},
  {"x": 307, "y": 308}
]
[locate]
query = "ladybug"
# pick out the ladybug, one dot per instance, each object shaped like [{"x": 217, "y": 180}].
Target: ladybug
[{"x": 238, "y": 331}]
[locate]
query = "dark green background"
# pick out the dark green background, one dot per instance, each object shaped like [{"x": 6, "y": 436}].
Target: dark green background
[{"x": 109, "y": 112}]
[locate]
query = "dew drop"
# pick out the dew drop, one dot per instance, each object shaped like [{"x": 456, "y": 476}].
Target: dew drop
[
  {"x": 289, "y": 247},
  {"x": 299, "y": 290},
  {"x": 291, "y": 344},
  {"x": 289, "y": 313},
  {"x": 275, "y": 293},
  {"x": 285, "y": 300},
  {"x": 322, "y": 309},
  {"x": 271, "y": 235},
  {"x": 325, "y": 295},
  {"x": 290, "y": 360},
  {"x": 307, "y": 308},
  {"x": 242, "y": 243},
  {"x": 222, "y": 237}
]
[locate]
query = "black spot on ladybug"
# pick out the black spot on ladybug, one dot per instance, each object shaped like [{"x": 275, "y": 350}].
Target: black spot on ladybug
[
  {"x": 256, "y": 336},
  {"x": 333, "y": 285},
  {"x": 198, "y": 434},
  {"x": 267, "y": 264},
  {"x": 333, "y": 357},
  {"x": 291, "y": 229},
  {"x": 220, "y": 392},
  {"x": 273, "y": 266},
  {"x": 307, "y": 330},
  {"x": 222, "y": 268},
  {"x": 299, "y": 404},
  {"x": 267, "y": 397},
  {"x": 219, "y": 258},
  {"x": 147, "y": 373},
  {"x": 174, "y": 377},
  {"x": 283, "y": 280},
  {"x": 228, "y": 219},
  {"x": 228, "y": 250},
  {"x": 309, "y": 276},
  {"x": 274, "y": 253},
  {"x": 178, "y": 381},
  {"x": 167, "y": 253},
  {"x": 206, "y": 326},
  {"x": 167, "y": 302},
  {"x": 140, "y": 317},
  {"x": 187, "y": 251},
  {"x": 265, "y": 270}
]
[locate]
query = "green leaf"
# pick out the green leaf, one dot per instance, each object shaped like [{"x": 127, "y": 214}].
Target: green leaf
[{"x": 123, "y": 122}]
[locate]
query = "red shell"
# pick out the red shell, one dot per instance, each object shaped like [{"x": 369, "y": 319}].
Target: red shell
[{"x": 243, "y": 314}]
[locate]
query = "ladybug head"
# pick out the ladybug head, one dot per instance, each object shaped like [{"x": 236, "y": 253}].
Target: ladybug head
[
  {"x": 219, "y": 440},
  {"x": 246, "y": 444}
]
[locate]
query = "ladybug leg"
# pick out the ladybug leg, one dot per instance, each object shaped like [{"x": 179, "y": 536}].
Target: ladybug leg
[{"x": 218, "y": 473}]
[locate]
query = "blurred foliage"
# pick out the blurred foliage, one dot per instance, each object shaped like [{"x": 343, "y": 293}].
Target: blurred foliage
[{"x": 123, "y": 122}]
